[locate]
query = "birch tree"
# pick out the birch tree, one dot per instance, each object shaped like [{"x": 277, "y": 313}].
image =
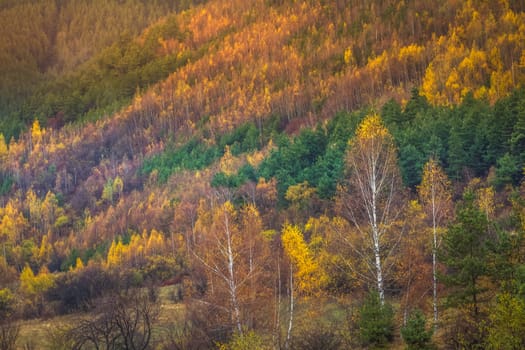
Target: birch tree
[
  {"x": 370, "y": 198},
  {"x": 233, "y": 251},
  {"x": 436, "y": 198}
]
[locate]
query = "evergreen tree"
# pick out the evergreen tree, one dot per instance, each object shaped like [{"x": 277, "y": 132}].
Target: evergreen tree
[
  {"x": 415, "y": 334},
  {"x": 464, "y": 254},
  {"x": 376, "y": 322}
]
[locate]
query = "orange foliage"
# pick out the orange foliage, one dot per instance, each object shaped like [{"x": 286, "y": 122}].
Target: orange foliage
[{"x": 301, "y": 61}]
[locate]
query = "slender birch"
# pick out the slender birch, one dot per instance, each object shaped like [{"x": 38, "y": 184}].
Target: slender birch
[
  {"x": 436, "y": 198},
  {"x": 234, "y": 255},
  {"x": 290, "y": 319},
  {"x": 370, "y": 200}
]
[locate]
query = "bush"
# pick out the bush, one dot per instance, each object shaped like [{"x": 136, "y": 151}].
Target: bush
[
  {"x": 7, "y": 302},
  {"x": 9, "y": 330},
  {"x": 318, "y": 337},
  {"x": 78, "y": 290},
  {"x": 246, "y": 341},
  {"x": 8, "y": 335}
]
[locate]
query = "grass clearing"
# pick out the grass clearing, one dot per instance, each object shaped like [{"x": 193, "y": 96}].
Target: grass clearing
[{"x": 45, "y": 333}]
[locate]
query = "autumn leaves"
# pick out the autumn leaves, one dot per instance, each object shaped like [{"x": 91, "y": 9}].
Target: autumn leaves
[{"x": 366, "y": 242}]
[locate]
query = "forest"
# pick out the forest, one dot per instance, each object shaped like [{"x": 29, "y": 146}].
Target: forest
[{"x": 262, "y": 174}]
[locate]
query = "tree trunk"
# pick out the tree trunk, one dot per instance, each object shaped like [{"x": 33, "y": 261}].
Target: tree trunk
[
  {"x": 434, "y": 255},
  {"x": 434, "y": 279},
  {"x": 290, "y": 323},
  {"x": 231, "y": 282},
  {"x": 277, "y": 332},
  {"x": 375, "y": 238},
  {"x": 379, "y": 270}
]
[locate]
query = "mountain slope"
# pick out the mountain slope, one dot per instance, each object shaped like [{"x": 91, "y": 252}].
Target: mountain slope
[
  {"x": 130, "y": 155},
  {"x": 44, "y": 40},
  {"x": 244, "y": 62}
]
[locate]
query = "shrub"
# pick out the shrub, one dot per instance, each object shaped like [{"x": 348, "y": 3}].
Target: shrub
[
  {"x": 246, "y": 341},
  {"x": 317, "y": 337}
]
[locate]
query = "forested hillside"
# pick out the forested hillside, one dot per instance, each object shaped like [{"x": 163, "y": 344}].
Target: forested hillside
[
  {"x": 49, "y": 45},
  {"x": 298, "y": 175}
]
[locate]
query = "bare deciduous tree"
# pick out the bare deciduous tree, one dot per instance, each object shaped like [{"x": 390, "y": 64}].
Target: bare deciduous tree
[
  {"x": 120, "y": 322},
  {"x": 8, "y": 335},
  {"x": 233, "y": 252}
]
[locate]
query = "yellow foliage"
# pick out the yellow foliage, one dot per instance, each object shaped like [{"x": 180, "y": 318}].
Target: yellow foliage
[
  {"x": 410, "y": 51},
  {"x": 3, "y": 149},
  {"x": 372, "y": 128},
  {"x": 308, "y": 272},
  {"x": 481, "y": 93},
  {"x": 378, "y": 63},
  {"x": 485, "y": 200},
  {"x": 79, "y": 265},
  {"x": 348, "y": 56},
  {"x": 473, "y": 70},
  {"x": 228, "y": 162},
  {"x": 107, "y": 191},
  {"x": 7, "y": 228},
  {"x": 54, "y": 147},
  {"x": 151, "y": 198},
  {"x": 453, "y": 85},
  {"x": 49, "y": 207},
  {"x": 32, "y": 285},
  {"x": 45, "y": 250},
  {"x": 26, "y": 280},
  {"x": 475, "y": 61},
  {"x": 435, "y": 192},
  {"x": 228, "y": 208},
  {"x": 150, "y": 244},
  {"x": 255, "y": 158},
  {"x": 12, "y": 224},
  {"x": 35, "y": 207},
  {"x": 299, "y": 193},
  {"x": 44, "y": 280},
  {"x": 430, "y": 88},
  {"x": 434, "y": 182},
  {"x": 115, "y": 253},
  {"x": 118, "y": 185},
  {"x": 156, "y": 243},
  {"x": 315, "y": 225},
  {"x": 500, "y": 83},
  {"x": 36, "y": 132}
]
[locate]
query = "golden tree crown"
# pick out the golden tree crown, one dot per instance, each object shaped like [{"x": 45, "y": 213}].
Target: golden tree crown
[{"x": 371, "y": 127}]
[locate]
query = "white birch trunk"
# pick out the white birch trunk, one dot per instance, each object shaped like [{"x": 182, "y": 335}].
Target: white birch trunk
[
  {"x": 277, "y": 331},
  {"x": 376, "y": 238},
  {"x": 434, "y": 279},
  {"x": 379, "y": 271},
  {"x": 434, "y": 257},
  {"x": 231, "y": 282},
  {"x": 290, "y": 323}
]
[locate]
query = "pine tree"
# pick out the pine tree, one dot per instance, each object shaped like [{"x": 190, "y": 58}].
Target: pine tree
[
  {"x": 376, "y": 322},
  {"x": 415, "y": 334},
  {"x": 464, "y": 254}
]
